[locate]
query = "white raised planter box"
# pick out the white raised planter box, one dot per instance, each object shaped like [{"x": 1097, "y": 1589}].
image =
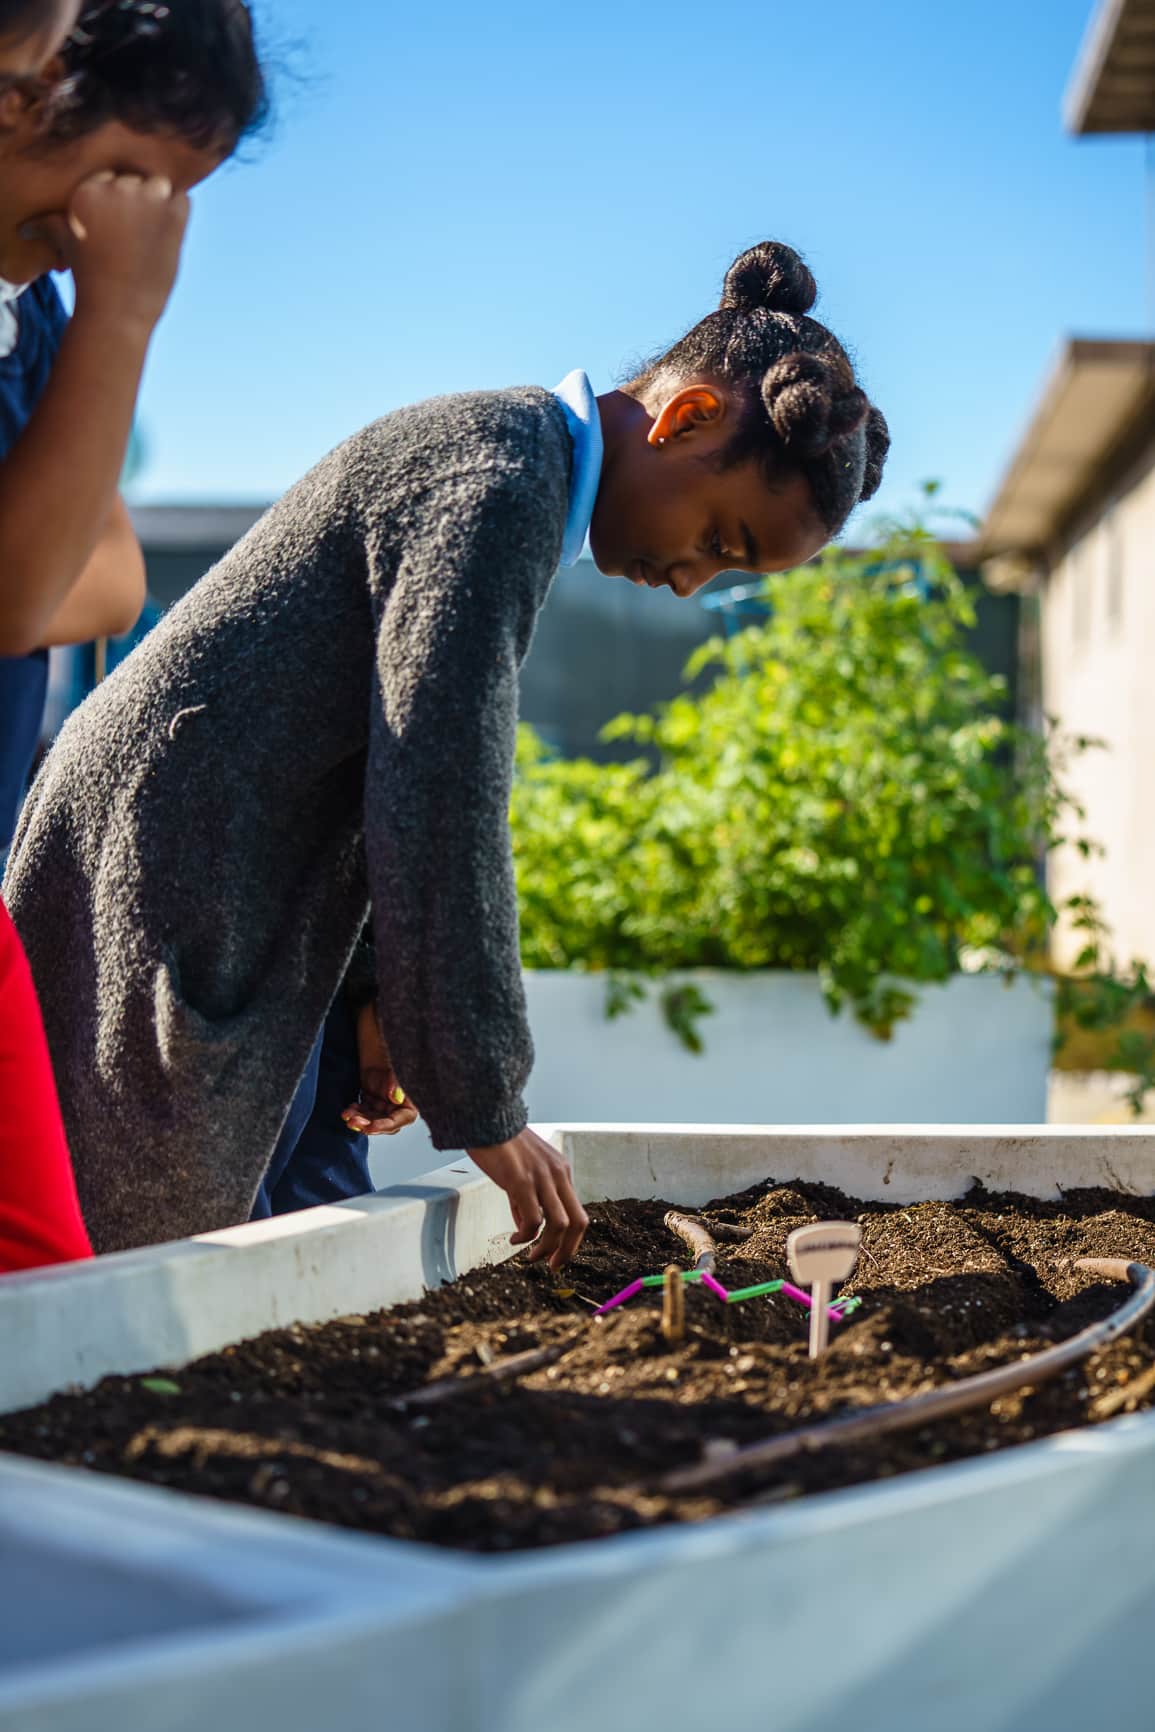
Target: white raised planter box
[{"x": 1010, "y": 1594}]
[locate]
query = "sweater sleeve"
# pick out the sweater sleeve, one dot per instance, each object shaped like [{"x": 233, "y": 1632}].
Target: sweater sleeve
[{"x": 455, "y": 626}]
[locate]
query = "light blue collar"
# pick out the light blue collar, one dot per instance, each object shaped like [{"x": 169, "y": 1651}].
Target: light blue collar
[
  {"x": 575, "y": 394},
  {"x": 10, "y": 293}
]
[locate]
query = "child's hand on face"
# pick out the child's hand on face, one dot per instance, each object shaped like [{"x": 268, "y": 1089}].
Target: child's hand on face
[
  {"x": 122, "y": 240},
  {"x": 383, "y": 1108}
]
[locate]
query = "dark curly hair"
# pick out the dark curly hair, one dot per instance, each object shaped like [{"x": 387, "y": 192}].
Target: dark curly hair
[
  {"x": 190, "y": 67},
  {"x": 804, "y": 409}
]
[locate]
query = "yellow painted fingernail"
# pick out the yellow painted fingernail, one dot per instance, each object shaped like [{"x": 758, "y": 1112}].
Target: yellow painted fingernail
[{"x": 398, "y": 1097}]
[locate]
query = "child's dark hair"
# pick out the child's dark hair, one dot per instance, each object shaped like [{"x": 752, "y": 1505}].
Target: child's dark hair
[
  {"x": 189, "y": 67},
  {"x": 805, "y": 411}
]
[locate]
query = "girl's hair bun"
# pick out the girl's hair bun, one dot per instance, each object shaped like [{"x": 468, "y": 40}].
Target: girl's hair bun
[
  {"x": 769, "y": 276},
  {"x": 813, "y": 401},
  {"x": 800, "y": 409}
]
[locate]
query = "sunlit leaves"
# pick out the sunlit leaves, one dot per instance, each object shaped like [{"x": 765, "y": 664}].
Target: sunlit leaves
[{"x": 842, "y": 793}]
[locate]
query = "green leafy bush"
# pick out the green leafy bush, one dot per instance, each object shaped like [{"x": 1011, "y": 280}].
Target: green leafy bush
[{"x": 845, "y": 795}]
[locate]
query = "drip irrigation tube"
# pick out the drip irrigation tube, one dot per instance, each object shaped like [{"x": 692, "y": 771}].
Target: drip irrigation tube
[{"x": 918, "y": 1410}]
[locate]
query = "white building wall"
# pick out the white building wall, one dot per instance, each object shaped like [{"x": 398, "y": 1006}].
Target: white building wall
[{"x": 1098, "y": 643}]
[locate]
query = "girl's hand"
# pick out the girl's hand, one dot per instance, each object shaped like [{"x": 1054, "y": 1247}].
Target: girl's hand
[
  {"x": 383, "y": 1108},
  {"x": 539, "y": 1184},
  {"x": 122, "y": 240}
]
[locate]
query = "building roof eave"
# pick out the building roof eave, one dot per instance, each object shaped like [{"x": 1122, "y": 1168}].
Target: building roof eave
[
  {"x": 1112, "y": 88},
  {"x": 1096, "y": 392}
]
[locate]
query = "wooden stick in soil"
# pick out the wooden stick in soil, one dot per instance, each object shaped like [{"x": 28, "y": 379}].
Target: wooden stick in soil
[
  {"x": 1115, "y": 1400},
  {"x": 726, "y": 1230},
  {"x": 673, "y": 1305},
  {"x": 701, "y": 1240},
  {"x": 501, "y": 1371},
  {"x": 969, "y": 1392},
  {"x": 696, "y": 1237}
]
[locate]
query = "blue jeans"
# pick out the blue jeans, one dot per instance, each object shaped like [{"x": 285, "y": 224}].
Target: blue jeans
[{"x": 318, "y": 1159}]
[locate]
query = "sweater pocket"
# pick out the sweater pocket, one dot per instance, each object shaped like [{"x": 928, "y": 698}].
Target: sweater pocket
[{"x": 190, "y": 1045}]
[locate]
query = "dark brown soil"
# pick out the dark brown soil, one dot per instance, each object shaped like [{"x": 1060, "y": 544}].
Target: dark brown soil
[{"x": 310, "y": 1421}]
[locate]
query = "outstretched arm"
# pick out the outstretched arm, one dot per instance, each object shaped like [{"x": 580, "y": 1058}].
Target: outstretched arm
[{"x": 455, "y": 628}]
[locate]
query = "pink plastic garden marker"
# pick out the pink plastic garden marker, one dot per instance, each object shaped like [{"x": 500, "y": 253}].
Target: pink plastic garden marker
[
  {"x": 620, "y": 1298},
  {"x": 803, "y": 1298}
]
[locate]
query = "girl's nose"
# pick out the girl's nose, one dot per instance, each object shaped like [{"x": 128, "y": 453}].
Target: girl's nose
[{"x": 689, "y": 579}]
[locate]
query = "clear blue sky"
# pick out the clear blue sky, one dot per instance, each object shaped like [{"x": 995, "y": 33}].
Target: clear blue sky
[{"x": 458, "y": 196}]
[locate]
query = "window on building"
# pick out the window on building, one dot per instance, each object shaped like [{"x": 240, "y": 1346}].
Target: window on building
[
  {"x": 1080, "y": 568},
  {"x": 1113, "y": 551}
]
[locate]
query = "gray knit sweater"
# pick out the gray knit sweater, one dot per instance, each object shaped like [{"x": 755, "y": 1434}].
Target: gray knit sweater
[{"x": 328, "y": 717}]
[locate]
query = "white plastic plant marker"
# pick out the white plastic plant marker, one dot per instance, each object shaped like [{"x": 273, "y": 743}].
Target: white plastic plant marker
[{"x": 818, "y": 1257}]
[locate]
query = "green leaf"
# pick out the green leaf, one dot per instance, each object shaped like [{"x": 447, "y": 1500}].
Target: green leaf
[
  {"x": 160, "y": 1385},
  {"x": 623, "y": 991},
  {"x": 683, "y": 1008}
]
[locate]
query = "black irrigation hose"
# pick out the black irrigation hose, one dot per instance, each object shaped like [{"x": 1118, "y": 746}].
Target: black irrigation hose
[{"x": 917, "y": 1410}]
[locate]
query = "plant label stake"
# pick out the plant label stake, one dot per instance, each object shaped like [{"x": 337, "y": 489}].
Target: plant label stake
[{"x": 819, "y": 1256}]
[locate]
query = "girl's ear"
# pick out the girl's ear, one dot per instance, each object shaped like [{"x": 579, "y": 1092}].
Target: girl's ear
[
  {"x": 12, "y": 103},
  {"x": 693, "y": 411},
  {"x": 23, "y": 101}
]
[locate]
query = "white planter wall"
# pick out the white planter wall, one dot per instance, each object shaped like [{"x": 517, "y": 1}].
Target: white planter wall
[
  {"x": 1009, "y": 1594},
  {"x": 976, "y": 1051}
]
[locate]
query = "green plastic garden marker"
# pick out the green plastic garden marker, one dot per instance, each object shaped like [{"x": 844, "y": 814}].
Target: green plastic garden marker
[{"x": 819, "y": 1256}]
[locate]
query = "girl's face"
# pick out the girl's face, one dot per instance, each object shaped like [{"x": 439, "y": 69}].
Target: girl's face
[
  {"x": 668, "y": 517},
  {"x": 38, "y": 179},
  {"x": 26, "y": 48}
]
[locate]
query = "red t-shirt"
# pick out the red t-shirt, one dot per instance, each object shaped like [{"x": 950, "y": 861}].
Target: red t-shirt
[{"x": 40, "y": 1219}]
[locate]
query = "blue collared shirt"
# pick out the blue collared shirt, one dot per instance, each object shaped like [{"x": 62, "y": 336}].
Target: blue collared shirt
[
  {"x": 575, "y": 394},
  {"x": 31, "y": 327}
]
